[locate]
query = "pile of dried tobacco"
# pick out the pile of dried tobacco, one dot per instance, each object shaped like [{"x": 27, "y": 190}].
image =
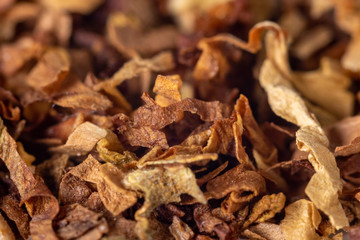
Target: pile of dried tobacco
[{"x": 156, "y": 119}]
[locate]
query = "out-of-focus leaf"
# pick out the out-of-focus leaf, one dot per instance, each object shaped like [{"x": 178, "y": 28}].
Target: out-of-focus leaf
[{"x": 82, "y": 6}]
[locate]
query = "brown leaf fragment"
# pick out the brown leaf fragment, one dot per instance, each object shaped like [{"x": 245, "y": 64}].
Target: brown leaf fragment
[
  {"x": 74, "y": 220},
  {"x": 221, "y": 136},
  {"x": 115, "y": 198},
  {"x": 160, "y": 186},
  {"x": 350, "y": 59},
  {"x": 350, "y": 169},
  {"x": 244, "y": 185},
  {"x": 212, "y": 174},
  {"x": 97, "y": 232},
  {"x": 52, "y": 171},
  {"x": 207, "y": 223},
  {"x": 20, "y": 12},
  {"x": 75, "y": 94},
  {"x": 311, "y": 41},
  {"x": 14, "y": 56},
  {"x": 73, "y": 190},
  {"x": 50, "y": 71},
  {"x": 54, "y": 26},
  {"x": 156, "y": 117},
  {"x": 82, "y": 140},
  {"x": 122, "y": 227},
  {"x": 139, "y": 136},
  {"x": 350, "y": 149},
  {"x": 10, "y": 206},
  {"x": 40, "y": 203},
  {"x": 82, "y": 6},
  {"x": 301, "y": 221},
  {"x": 212, "y": 64},
  {"x": 5, "y": 230},
  {"x": 266, "y": 208},
  {"x": 4, "y": 5},
  {"x": 268, "y": 231},
  {"x": 180, "y": 230}
]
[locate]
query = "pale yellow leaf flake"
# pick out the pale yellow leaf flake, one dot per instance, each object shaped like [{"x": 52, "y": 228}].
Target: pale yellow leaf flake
[
  {"x": 160, "y": 186},
  {"x": 83, "y": 139},
  {"x": 288, "y": 104},
  {"x": 301, "y": 221}
]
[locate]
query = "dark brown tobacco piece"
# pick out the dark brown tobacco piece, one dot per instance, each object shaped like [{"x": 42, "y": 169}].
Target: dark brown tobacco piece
[{"x": 40, "y": 203}]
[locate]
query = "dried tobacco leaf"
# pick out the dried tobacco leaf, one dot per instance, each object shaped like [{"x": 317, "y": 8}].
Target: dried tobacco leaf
[
  {"x": 5, "y": 231},
  {"x": 115, "y": 198},
  {"x": 40, "y": 203},
  {"x": 82, "y": 7},
  {"x": 83, "y": 139},
  {"x": 301, "y": 221},
  {"x": 74, "y": 221},
  {"x": 266, "y": 208},
  {"x": 10, "y": 206},
  {"x": 160, "y": 186},
  {"x": 13, "y": 56},
  {"x": 50, "y": 71},
  {"x": 18, "y": 13},
  {"x": 180, "y": 230},
  {"x": 244, "y": 185}
]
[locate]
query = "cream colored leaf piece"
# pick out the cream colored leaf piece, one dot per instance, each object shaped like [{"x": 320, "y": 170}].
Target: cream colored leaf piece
[{"x": 280, "y": 84}]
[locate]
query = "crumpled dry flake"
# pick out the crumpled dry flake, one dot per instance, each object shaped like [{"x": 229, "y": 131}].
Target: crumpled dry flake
[
  {"x": 310, "y": 138},
  {"x": 180, "y": 230},
  {"x": 144, "y": 128},
  {"x": 15, "y": 55},
  {"x": 160, "y": 185},
  {"x": 50, "y": 71},
  {"x": 266, "y": 208},
  {"x": 242, "y": 185},
  {"x": 75, "y": 221},
  {"x": 40, "y": 203},
  {"x": 10, "y": 206},
  {"x": 113, "y": 195},
  {"x": 276, "y": 78},
  {"x": 301, "y": 221},
  {"x": 83, "y": 139},
  {"x": 5, "y": 232}
]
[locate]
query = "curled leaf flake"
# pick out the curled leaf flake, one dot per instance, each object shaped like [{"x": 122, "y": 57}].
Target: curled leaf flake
[
  {"x": 115, "y": 198},
  {"x": 266, "y": 208},
  {"x": 40, "y": 203},
  {"x": 160, "y": 186},
  {"x": 244, "y": 185},
  {"x": 301, "y": 221}
]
